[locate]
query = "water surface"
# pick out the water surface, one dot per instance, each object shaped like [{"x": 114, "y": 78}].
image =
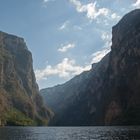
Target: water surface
[{"x": 70, "y": 133}]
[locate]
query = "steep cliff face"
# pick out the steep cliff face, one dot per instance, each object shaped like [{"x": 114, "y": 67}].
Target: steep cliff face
[
  {"x": 123, "y": 73},
  {"x": 76, "y": 103},
  {"x": 108, "y": 94},
  {"x": 20, "y": 102}
]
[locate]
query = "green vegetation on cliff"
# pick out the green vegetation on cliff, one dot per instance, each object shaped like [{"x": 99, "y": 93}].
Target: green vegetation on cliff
[
  {"x": 17, "y": 118},
  {"x": 20, "y": 102}
]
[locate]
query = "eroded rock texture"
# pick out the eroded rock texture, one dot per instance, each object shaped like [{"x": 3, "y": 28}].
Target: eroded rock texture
[
  {"x": 108, "y": 94},
  {"x": 20, "y": 102}
]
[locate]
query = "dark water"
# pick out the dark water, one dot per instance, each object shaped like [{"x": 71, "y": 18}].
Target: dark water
[{"x": 70, "y": 133}]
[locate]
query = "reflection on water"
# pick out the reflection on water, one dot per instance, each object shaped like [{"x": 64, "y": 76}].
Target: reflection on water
[{"x": 70, "y": 133}]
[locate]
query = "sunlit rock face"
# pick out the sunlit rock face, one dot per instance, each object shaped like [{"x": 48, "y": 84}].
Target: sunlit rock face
[
  {"x": 108, "y": 94},
  {"x": 20, "y": 102}
]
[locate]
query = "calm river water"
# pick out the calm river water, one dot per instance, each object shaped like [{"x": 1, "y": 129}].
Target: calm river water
[{"x": 70, "y": 133}]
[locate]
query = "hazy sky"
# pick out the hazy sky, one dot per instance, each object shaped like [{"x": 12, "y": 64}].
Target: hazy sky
[{"x": 64, "y": 36}]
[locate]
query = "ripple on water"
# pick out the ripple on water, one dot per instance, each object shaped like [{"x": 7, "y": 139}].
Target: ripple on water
[{"x": 70, "y": 133}]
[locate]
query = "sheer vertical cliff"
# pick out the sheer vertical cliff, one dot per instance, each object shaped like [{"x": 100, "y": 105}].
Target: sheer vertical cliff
[
  {"x": 20, "y": 102},
  {"x": 108, "y": 94}
]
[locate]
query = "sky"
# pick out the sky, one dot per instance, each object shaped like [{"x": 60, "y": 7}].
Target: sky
[{"x": 64, "y": 36}]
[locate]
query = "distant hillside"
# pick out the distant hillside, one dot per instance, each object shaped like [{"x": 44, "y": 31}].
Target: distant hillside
[
  {"x": 108, "y": 94},
  {"x": 20, "y": 102}
]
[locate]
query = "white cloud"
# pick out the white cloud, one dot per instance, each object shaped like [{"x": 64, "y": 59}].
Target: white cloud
[
  {"x": 115, "y": 16},
  {"x": 65, "y": 48},
  {"x": 45, "y": 1},
  {"x": 97, "y": 56},
  {"x": 137, "y": 4},
  {"x": 64, "y": 25},
  {"x": 106, "y": 37},
  {"x": 68, "y": 68},
  {"x": 65, "y": 69},
  {"x": 67, "y": 26},
  {"x": 93, "y": 12},
  {"x": 90, "y": 9}
]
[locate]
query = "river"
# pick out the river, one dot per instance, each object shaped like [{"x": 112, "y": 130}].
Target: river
[{"x": 70, "y": 133}]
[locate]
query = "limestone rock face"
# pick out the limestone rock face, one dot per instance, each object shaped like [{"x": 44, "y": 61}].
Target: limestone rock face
[
  {"x": 108, "y": 94},
  {"x": 19, "y": 93},
  {"x": 124, "y": 70}
]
